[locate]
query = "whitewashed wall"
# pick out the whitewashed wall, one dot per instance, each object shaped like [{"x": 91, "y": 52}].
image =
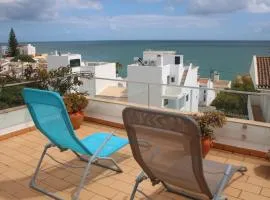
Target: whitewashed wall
[
  {"x": 14, "y": 119},
  {"x": 55, "y": 62},
  {"x": 240, "y": 133},
  {"x": 107, "y": 70},
  {"x": 191, "y": 81},
  {"x": 138, "y": 92},
  {"x": 244, "y": 135},
  {"x": 253, "y": 71}
]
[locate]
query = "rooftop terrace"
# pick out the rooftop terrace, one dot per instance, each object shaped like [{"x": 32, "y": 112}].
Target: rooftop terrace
[{"x": 19, "y": 156}]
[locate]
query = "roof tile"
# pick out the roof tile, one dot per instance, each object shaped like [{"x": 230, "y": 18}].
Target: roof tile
[{"x": 263, "y": 68}]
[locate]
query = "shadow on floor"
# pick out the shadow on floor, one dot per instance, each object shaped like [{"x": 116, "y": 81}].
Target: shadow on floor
[{"x": 57, "y": 178}]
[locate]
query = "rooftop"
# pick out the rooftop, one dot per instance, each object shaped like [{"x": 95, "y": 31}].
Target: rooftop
[
  {"x": 114, "y": 92},
  {"x": 19, "y": 156},
  {"x": 222, "y": 84},
  {"x": 159, "y": 52},
  {"x": 263, "y": 69},
  {"x": 203, "y": 81}
]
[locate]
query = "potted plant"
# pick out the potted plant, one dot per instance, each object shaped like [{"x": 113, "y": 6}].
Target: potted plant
[
  {"x": 207, "y": 122},
  {"x": 75, "y": 103}
]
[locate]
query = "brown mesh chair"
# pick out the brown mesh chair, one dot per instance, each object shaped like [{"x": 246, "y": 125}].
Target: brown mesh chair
[{"x": 168, "y": 148}]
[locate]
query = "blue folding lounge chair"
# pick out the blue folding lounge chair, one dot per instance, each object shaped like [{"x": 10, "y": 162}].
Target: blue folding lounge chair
[{"x": 51, "y": 118}]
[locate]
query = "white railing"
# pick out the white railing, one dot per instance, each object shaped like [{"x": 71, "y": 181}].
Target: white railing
[
  {"x": 249, "y": 107},
  {"x": 154, "y": 94}
]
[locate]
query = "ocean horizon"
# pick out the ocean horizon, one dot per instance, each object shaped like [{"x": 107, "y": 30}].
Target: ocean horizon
[{"x": 229, "y": 57}]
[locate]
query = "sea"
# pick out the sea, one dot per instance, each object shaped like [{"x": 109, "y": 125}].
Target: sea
[{"x": 229, "y": 58}]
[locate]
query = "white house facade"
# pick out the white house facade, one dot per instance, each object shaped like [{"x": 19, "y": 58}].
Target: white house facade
[
  {"x": 27, "y": 50},
  {"x": 158, "y": 80},
  {"x": 57, "y": 60},
  {"x": 101, "y": 70},
  {"x": 3, "y": 50},
  {"x": 260, "y": 74},
  {"x": 206, "y": 96}
]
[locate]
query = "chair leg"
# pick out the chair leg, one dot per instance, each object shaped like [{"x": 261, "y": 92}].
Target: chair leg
[
  {"x": 117, "y": 168},
  {"x": 242, "y": 170},
  {"x": 33, "y": 180},
  {"x": 141, "y": 177},
  {"x": 85, "y": 174}
]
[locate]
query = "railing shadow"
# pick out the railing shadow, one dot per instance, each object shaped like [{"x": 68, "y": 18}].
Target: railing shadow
[{"x": 19, "y": 187}]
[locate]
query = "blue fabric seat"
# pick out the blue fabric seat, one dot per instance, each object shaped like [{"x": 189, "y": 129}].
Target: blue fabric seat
[
  {"x": 50, "y": 116},
  {"x": 95, "y": 140}
]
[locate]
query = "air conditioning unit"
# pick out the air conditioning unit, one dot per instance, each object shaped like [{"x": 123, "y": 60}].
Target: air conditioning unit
[
  {"x": 146, "y": 62},
  {"x": 152, "y": 63}
]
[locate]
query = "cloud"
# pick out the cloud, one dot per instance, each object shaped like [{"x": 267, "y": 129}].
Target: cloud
[
  {"x": 149, "y": 1},
  {"x": 259, "y": 6},
  {"x": 32, "y": 10},
  {"x": 142, "y": 21},
  {"x": 92, "y": 4},
  {"x": 261, "y": 27},
  {"x": 27, "y": 9},
  {"x": 228, "y": 6}
]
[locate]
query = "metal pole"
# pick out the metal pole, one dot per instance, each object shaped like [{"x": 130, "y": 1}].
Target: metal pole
[{"x": 148, "y": 89}]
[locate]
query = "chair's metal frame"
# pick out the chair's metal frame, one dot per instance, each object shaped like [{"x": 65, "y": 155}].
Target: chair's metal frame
[
  {"x": 217, "y": 196},
  {"x": 93, "y": 159}
]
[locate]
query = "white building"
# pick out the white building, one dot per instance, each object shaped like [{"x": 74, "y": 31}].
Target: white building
[
  {"x": 3, "y": 50},
  {"x": 260, "y": 74},
  {"x": 217, "y": 83},
  {"x": 206, "y": 96},
  {"x": 62, "y": 60},
  {"x": 27, "y": 49},
  {"x": 101, "y": 70},
  {"x": 157, "y": 78}
]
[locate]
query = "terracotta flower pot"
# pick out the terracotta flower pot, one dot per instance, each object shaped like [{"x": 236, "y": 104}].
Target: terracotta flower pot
[
  {"x": 76, "y": 119},
  {"x": 206, "y": 145}
]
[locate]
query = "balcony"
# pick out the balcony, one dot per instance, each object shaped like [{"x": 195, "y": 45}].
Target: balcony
[
  {"x": 240, "y": 142},
  {"x": 19, "y": 156}
]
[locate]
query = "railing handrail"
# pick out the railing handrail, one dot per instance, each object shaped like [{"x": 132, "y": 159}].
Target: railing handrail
[
  {"x": 157, "y": 84},
  {"x": 188, "y": 87},
  {"x": 18, "y": 83}
]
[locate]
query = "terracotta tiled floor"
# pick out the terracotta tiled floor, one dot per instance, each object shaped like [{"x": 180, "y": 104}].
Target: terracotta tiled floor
[{"x": 19, "y": 156}]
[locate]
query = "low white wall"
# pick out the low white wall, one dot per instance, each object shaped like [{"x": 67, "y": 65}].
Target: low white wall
[
  {"x": 244, "y": 135},
  {"x": 105, "y": 111},
  {"x": 236, "y": 132},
  {"x": 14, "y": 119}
]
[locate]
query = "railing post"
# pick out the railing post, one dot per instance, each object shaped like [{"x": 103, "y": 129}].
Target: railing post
[
  {"x": 191, "y": 100},
  {"x": 148, "y": 92}
]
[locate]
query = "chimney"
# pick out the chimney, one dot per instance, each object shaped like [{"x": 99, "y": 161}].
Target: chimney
[{"x": 160, "y": 60}]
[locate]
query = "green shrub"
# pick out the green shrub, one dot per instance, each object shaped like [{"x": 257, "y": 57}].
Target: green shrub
[
  {"x": 208, "y": 121},
  {"x": 23, "y": 58},
  {"x": 75, "y": 102}
]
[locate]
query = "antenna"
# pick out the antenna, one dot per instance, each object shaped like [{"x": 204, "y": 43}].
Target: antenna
[{"x": 138, "y": 60}]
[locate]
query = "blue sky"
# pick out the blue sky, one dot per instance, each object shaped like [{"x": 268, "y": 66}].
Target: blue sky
[{"x": 55, "y": 20}]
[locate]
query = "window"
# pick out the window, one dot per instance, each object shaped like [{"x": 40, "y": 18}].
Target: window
[
  {"x": 165, "y": 102},
  {"x": 204, "y": 98},
  {"x": 187, "y": 98},
  {"x": 168, "y": 80},
  {"x": 172, "y": 79},
  {"x": 204, "y": 91},
  {"x": 75, "y": 63},
  {"x": 177, "y": 60}
]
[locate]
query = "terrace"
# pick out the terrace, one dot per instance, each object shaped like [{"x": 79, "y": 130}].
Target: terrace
[
  {"x": 239, "y": 142},
  {"x": 19, "y": 156}
]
